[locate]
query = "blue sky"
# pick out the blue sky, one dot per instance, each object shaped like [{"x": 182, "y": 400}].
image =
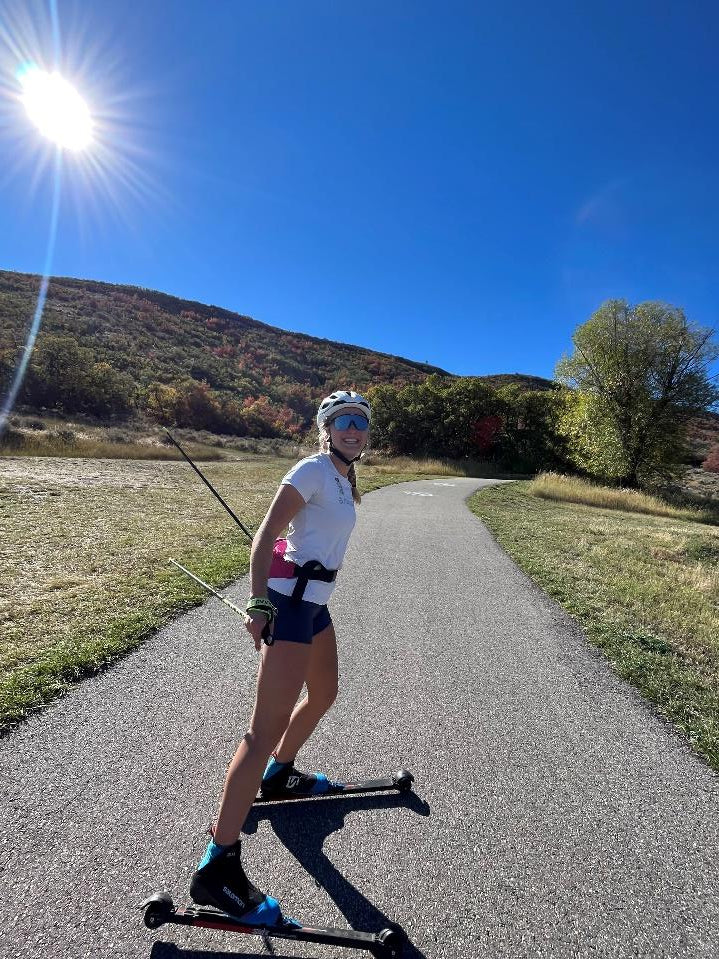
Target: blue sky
[{"x": 456, "y": 182}]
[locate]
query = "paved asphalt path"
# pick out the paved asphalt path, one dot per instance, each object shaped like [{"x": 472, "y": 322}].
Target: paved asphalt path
[{"x": 554, "y": 814}]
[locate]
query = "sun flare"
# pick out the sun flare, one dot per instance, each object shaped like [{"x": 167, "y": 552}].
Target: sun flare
[{"x": 56, "y": 108}]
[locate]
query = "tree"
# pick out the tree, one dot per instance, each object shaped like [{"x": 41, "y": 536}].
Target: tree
[
  {"x": 259, "y": 414},
  {"x": 467, "y": 401},
  {"x": 162, "y": 402},
  {"x": 107, "y": 392},
  {"x": 199, "y": 406},
  {"x": 394, "y": 424},
  {"x": 641, "y": 373},
  {"x": 531, "y": 439},
  {"x": 65, "y": 376},
  {"x": 464, "y": 417}
]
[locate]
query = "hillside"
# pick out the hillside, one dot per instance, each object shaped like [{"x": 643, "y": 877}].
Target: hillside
[
  {"x": 148, "y": 338},
  {"x": 523, "y": 380},
  {"x": 116, "y": 351},
  {"x": 703, "y": 434}
]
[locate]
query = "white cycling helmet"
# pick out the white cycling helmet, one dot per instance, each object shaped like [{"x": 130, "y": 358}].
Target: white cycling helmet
[{"x": 343, "y": 401}]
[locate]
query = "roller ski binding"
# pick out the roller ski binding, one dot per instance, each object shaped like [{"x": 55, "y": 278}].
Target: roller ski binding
[{"x": 292, "y": 784}]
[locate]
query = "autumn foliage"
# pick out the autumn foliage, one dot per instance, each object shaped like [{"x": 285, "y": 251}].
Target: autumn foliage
[
  {"x": 114, "y": 351},
  {"x": 465, "y": 418},
  {"x": 711, "y": 463}
]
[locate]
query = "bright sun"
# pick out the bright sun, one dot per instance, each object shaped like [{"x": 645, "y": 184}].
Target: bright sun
[{"x": 56, "y": 108}]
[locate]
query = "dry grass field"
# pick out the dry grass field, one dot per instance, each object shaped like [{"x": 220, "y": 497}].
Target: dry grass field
[
  {"x": 572, "y": 489},
  {"x": 84, "y": 548}
]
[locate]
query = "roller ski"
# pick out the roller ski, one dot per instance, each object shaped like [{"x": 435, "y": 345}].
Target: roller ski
[
  {"x": 227, "y": 900},
  {"x": 160, "y": 910},
  {"x": 282, "y": 782}
]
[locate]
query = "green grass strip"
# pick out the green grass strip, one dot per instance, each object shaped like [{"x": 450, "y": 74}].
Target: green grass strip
[{"x": 644, "y": 588}]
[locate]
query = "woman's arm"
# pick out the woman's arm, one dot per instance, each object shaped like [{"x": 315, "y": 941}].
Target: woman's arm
[{"x": 286, "y": 504}]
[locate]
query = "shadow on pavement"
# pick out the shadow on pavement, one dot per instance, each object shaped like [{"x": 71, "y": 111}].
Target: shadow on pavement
[
  {"x": 303, "y": 832},
  {"x": 168, "y": 950}
]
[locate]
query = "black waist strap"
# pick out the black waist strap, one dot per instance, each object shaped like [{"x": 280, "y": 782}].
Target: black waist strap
[{"x": 312, "y": 569}]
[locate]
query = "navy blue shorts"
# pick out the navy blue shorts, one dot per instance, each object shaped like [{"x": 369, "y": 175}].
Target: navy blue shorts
[{"x": 298, "y": 622}]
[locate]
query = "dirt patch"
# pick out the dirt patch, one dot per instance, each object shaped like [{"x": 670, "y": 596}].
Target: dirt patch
[
  {"x": 47, "y": 476},
  {"x": 701, "y": 482}
]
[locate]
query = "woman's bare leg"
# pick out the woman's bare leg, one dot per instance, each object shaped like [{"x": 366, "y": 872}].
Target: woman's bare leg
[
  {"x": 321, "y": 679},
  {"x": 281, "y": 675}
]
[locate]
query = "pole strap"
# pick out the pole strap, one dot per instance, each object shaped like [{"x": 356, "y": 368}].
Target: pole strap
[{"x": 260, "y": 604}]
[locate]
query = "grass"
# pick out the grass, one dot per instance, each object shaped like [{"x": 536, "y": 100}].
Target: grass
[
  {"x": 376, "y": 465},
  {"x": 100, "y": 442},
  {"x": 572, "y": 489},
  {"x": 32, "y": 436},
  {"x": 56, "y": 445},
  {"x": 642, "y": 580},
  {"x": 84, "y": 548}
]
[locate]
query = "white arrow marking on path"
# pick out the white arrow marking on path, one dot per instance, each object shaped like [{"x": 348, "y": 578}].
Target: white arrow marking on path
[
  {"x": 444, "y": 484},
  {"x": 412, "y": 493}
]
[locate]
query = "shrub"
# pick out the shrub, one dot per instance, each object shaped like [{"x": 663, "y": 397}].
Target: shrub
[
  {"x": 119, "y": 436},
  {"x": 711, "y": 463},
  {"x": 11, "y": 439}
]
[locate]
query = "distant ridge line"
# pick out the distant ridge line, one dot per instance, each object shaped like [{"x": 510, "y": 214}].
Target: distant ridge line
[{"x": 208, "y": 309}]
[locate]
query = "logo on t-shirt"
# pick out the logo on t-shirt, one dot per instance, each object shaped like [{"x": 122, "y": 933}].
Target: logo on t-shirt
[{"x": 340, "y": 490}]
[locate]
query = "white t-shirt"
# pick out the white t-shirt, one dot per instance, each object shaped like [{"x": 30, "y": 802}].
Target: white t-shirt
[{"x": 322, "y": 528}]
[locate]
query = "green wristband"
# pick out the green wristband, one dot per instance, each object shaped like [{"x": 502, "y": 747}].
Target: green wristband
[{"x": 260, "y": 604}]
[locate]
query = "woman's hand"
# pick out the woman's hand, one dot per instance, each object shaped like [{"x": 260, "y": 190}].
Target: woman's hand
[{"x": 255, "y": 623}]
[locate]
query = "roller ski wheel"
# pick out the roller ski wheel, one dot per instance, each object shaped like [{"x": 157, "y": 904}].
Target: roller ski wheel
[
  {"x": 160, "y": 910},
  {"x": 401, "y": 781},
  {"x": 390, "y": 944}
]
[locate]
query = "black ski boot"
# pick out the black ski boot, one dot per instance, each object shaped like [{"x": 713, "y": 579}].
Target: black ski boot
[
  {"x": 286, "y": 781},
  {"x": 222, "y": 883}
]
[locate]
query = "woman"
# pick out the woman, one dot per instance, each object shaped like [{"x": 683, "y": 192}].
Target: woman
[{"x": 291, "y": 581}]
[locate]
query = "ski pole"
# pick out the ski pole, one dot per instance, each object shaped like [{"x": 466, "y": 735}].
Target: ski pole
[
  {"x": 266, "y": 635},
  {"x": 236, "y": 609},
  {"x": 209, "y": 485}
]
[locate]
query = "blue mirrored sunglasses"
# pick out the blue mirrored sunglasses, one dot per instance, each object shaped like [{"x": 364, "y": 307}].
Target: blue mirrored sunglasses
[{"x": 345, "y": 420}]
